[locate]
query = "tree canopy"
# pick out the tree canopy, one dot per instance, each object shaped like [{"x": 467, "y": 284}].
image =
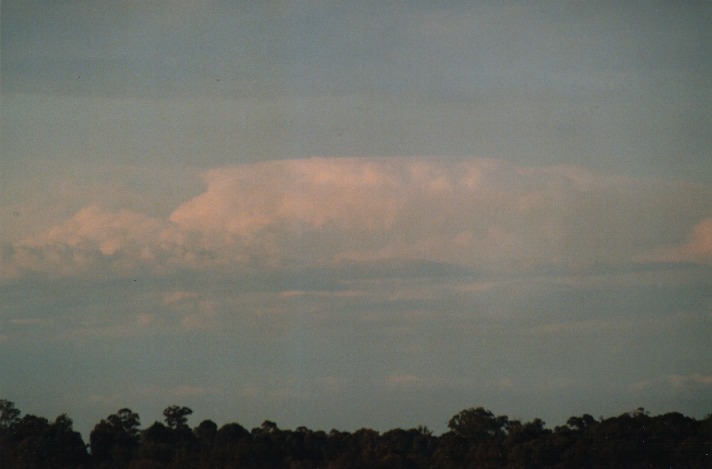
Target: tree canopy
[{"x": 477, "y": 438}]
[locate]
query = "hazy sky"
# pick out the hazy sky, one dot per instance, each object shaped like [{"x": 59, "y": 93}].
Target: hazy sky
[{"x": 355, "y": 214}]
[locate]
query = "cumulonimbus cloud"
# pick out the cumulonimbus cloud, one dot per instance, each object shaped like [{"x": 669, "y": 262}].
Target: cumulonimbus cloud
[{"x": 475, "y": 212}]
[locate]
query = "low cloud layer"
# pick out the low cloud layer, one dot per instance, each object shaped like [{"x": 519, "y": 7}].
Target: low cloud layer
[{"x": 479, "y": 213}]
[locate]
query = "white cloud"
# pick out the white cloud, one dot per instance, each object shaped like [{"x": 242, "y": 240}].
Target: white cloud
[{"x": 477, "y": 212}]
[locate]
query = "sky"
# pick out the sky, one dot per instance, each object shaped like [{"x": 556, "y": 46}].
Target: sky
[{"x": 355, "y": 214}]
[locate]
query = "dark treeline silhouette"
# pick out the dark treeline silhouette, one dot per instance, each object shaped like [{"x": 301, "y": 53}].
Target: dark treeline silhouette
[{"x": 476, "y": 439}]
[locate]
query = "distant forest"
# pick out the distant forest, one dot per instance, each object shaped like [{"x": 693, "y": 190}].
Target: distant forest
[{"x": 476, "y": 439}]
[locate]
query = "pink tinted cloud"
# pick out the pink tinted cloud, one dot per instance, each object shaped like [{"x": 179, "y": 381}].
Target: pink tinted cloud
[
  {"x": 89, "y": 239},
  {"x": 107, "y": 231},
  {"x": 243, "y": 200},
  {"x": 697, "y": 248},
  {"x": 478, "y": 212},
  {"x": 359, "y": 208}
]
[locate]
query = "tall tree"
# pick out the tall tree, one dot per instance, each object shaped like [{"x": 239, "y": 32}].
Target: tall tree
[
  {"x": 176, "y": 416},
  {"x": 8, "y": 413},
  {"x": 477, "y": 424},
  {"x": 114, "y": 441}
]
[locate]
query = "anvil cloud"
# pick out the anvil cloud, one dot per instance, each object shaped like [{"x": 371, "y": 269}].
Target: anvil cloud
[{"x": 320, "y": 211}]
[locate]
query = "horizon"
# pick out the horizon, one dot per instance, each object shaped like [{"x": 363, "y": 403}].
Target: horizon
[{"x": 194, "y": 424}]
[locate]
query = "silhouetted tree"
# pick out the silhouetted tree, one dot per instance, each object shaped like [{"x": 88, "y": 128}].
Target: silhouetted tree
[
  {"x": 530, "y": 445},
  {"x": 35, "y": 443},
  {"x": 451, "y": 451},
  {"x": 114, "y": 441},
  {"x": 476, "y": 425},
  {"x": 176, "y": 417},
  {"x": 477, "y": 439},
  {"x": 231, "y": 445},
  {"x": 67, "y": 449},
  {"x": 408, "y": 448},
  {"x": 206, "y": 433},
  {"x": 157, "y": 446},
  {"x": 8, "y": 414}
]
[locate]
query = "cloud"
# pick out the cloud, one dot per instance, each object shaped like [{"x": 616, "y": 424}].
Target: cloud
[
  {"x": 403, "y": 381},
  {"x": 196, "y": 312},
  {"x": 179, "y": 296},
  {"x": 89, "y": 241},
  {"x": 406, "y": 380},
  {"x": 277, "y": 389},
  {"x": 697, "y": 248},
  {"x": 333, "y": 384},
  {"x": 181, "y": 391},
  {"x": 322, "y": 211},
  {"x": 576, "y": 327},
  {"x": 474, "y": 212},
  {"x": 694, "y": 382}
]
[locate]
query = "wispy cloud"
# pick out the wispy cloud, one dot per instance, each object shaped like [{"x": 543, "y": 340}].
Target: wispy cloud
[
  {"x": 280, "y": 390},
  {"x": 575, "y": 327},
  {"x": 693, "y": 382},
  {"x": 180, "y": 391},
  {"x": 399, "y": 381}
]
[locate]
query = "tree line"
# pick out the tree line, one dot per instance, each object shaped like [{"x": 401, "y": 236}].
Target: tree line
[{"x": 476, "y": 438}]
